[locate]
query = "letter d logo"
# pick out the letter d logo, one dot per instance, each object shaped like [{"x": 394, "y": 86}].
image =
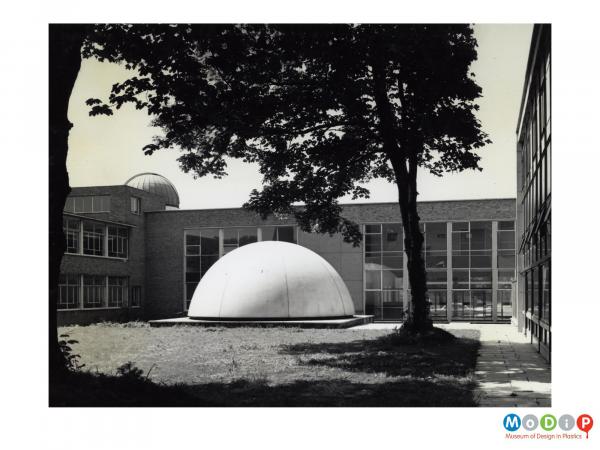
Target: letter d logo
[
  {"x": 512, "y": 422},
  {"x": 548, "y": 422}
]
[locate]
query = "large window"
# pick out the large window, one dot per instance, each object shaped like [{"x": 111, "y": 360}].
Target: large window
[
  {"x": 94, "y": 289},
  {"x": 118, "y": 241},
  {"x": 384, "y": 275},
  {"x": 71, "y": 228},
  {"x": 117, "y": 292},
  {"x": 201, "y": 252},
  {"x": 68, "y": 286},
  {"x": 93, "y": 238},
  {"x": 88, "y": 204}
]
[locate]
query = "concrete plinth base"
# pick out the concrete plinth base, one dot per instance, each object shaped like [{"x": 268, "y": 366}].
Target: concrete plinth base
[{"x": 345, "y": 322}]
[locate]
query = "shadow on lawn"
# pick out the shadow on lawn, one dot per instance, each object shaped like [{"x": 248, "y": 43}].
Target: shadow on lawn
[
  {"x": 422, "y": 361},
  {"x": 431, "y": 374}
]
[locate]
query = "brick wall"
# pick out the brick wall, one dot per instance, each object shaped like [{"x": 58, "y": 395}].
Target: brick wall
[
  {"x": 133, "y": 267},
  {"x": 164, "y": 242}
]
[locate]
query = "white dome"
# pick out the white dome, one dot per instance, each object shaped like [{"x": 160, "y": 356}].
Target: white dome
[{"x": 271, "y": 280}]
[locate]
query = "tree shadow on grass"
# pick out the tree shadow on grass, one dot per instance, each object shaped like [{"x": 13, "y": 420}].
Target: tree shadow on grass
[
  {"x": 424, "y": 374},
  {"x": 422, "y": 360},
  {"x": 86, "y": 389}
]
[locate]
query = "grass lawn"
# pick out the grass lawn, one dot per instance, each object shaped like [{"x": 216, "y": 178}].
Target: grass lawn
[{"x": 266, "y": 367}]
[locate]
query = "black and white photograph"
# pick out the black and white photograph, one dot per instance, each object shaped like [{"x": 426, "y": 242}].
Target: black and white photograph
[{"x": 271, "y": 218}]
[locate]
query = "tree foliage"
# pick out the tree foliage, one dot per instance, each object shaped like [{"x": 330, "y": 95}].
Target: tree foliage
[{"x": 300, "y": 100}]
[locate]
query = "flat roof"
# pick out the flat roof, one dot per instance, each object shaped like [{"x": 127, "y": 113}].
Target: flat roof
[{"x": 345, "y": 204}]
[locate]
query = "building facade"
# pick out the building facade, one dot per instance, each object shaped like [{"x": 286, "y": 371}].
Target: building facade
[
  {"x": 534, "y": 186},
  {"x": 131, "y": 254}
]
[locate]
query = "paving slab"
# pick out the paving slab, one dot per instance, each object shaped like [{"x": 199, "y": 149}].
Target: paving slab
[{"x": 509, "y": 371}]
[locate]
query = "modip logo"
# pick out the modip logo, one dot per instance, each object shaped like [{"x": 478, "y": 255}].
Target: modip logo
[{"x": 547, "y": 426}]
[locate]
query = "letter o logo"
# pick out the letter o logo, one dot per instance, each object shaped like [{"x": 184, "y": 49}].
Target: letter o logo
[{"x": 530, "y": 422}]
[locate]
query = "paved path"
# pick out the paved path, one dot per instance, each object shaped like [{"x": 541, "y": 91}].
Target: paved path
[{"x": 509, "y": 371}]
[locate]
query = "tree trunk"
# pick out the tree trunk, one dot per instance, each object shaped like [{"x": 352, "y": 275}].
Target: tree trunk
[
  {"x": 406, "y": 179},
  {"x": 418, "y": 319},
  {"x": 65, "y": 43}
]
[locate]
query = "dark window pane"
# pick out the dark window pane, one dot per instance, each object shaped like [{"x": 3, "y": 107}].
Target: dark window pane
[
  {"x": 269, "y": 233},
  {"x": 286, "y": 234},
  {"x": 460, "y": 279},
  {"x": 373, "y": 243},
  {"x": 460, "y": 259},
  {"x": 460, "y": 226},
  {"x": 435, "y": 236},
  {"x": 247, "y": 236},
  {"x": 373, "y": 304},
  {"x": 506, "y": 259},
  {"x": 392, "y": 260},
  {"x": 435, "y": 259},
  {"x": 481, "y": 235},
  {"x": 392, "y": 237},
  {"x": 210, "y": 242},
  {"x": 206, "y": 262},
  {"x": 481, "y": 259},
  {"x": 192, "y": 264},
  {"x": 506, "y": 240},
  {"x": 192, "y": 249},
  {"x": 460, "y": 242},
  {"x": 506, "y": 225},
  {"x": 192, "y": 238},
  {"x": 230, "y": 236},
  {"x": 437, "y": 276},
  {"x": 373, "y": 229}
]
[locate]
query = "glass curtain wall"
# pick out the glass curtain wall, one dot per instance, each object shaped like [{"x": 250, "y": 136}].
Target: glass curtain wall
[
  {"x": 477, "y": 274},
  {"x": 535, "y": 149}
]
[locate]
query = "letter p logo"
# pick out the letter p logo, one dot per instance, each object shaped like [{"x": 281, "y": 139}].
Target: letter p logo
[{"x": 585, "y": 423}]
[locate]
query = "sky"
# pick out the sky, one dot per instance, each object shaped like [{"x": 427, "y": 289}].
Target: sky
[{"x": 108, "y": 150}]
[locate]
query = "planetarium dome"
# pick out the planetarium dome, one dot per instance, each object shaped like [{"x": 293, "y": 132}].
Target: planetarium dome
[
  {"x": 271, "y": 280},
  {"x": 156, "y": 184}
]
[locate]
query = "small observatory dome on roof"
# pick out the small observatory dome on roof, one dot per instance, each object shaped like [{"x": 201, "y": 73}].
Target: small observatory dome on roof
[
  {"x": 156, "y": 184},
  {"x": 271, "y": 280}
]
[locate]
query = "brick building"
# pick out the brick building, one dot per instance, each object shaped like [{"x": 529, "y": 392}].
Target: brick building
[{"x": 131, "y": 253}]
